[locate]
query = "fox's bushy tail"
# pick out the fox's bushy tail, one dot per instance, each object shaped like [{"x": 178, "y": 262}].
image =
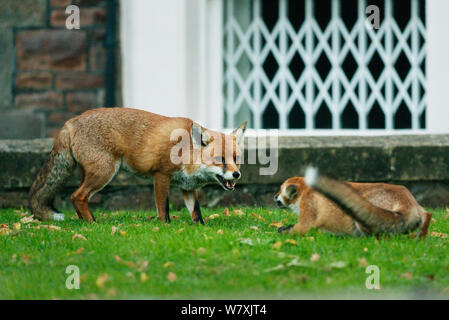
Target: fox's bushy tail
[
  {"x": 376, "y": 219},
  {"x": 53, "y": 174}
]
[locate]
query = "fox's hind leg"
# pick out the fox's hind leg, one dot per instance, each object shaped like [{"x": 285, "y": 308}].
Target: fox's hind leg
[
  {"x": 161, "y": 189},
  {"x": 96, "y": 176},
  {"x": 56, "y": 170},
  {"x": 424, "y": 227},
  {"x": 192, "y": 204}
]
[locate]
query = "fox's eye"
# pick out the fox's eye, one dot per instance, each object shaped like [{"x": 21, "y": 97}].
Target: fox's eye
[{"x": 220, "y": 159}]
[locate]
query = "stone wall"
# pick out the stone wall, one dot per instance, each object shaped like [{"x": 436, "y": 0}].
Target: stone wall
[
  {"x": 418, "y": 162},
  {"x": 49, "y": 73}
]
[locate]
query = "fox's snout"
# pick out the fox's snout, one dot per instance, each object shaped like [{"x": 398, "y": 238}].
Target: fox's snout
[
  {"x": 277, "y": 199},
  {"x": 232, "y": 175}
]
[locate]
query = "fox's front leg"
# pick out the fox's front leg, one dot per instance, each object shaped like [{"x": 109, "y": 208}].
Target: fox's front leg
[
  {"x": 299, "y": 228},
  {"x": 192, "y": 204},
  {"x": 161, "y": 189}
]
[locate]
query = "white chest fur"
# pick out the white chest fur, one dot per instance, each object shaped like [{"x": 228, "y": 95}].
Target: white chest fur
[
  {"x": 294, "y": 206},
  {"x": 192, "y": 181}
]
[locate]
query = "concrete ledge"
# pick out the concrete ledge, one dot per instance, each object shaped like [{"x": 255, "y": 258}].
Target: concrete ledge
[{"x": 420, "y": 162}]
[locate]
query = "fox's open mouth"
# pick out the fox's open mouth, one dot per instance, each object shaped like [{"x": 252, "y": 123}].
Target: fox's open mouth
[{"x": 227, "y": 184}]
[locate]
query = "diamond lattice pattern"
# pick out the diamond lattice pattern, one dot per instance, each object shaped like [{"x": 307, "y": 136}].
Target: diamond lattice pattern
[{"x": 288, "y": 67}]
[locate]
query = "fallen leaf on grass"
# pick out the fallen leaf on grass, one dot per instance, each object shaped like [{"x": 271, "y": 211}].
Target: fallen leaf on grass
[
  {"x": 338, "y": 264},
  {"x": 293, "y": 242},
  {"x": 201, "y": 250},
  {"x": 278, "y": 267},
  {"x": 16, "y": 226},
  {"x": 111, "y": 293},
  {"x": 168, "y": 264},
  {"x": 143, "y": 277},
  {"x": 122, "y": 233},
  {"x": 276, "y": 224},
  {"x": 211, "y": 217},
  {"x": 362, "y": 262},
  {"x": 26, "y": 220},
  {"x": 4, "y": 229},
  {"x": 281, "y": 254},
  {"x": 79, "y": 236},
  {"x": 315, "y": 257},
  {"x": 113, "y": 230},
  {"x": 142, "y": 265},
  {"x": 171, "y": 277},
  {"x": 238, "y": 212},
  {"x": 247, "y": 241},
  {"x": 124, "y": 262},
  {"x": 365, "y": 249},
  {"x": 180, "y": 230},
  {"x": 101, "y": 280},
  {"x": 296, "y": 263},
  {"x": 174, "y": 217},
  {"x": 407, "y": 275},
  {"x": 155, "y": 229},
  {"x": 226, "y": 212},
  {"x": 25, "y": 258},
  {"x": 79, "y": 251},
  {"x": 293, "y": 263},
  {"x": 439, "y": 235},
  {"x": 206, "y": 237},
  {"x": 220, "y": 231},
  {"x": 277, "y": 245},
  {"x": 49, "y": 227},
  {"x": 257, "y": 216}
]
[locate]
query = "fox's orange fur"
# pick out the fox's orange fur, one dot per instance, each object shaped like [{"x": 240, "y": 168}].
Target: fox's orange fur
[
  {"x": 101, "y": 141},
  {"x": 351, "y": 208}
]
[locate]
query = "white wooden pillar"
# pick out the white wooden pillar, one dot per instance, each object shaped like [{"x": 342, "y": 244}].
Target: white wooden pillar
[
  {"x": 172, "y": 58},
  {"x": 437, "y": 66}
]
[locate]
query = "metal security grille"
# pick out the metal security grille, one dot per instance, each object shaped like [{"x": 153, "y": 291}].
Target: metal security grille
[{"x": 315, "y": 64}]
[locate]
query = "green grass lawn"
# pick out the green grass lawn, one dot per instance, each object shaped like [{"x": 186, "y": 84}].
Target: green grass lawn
[{"x": 236, "y": 256}]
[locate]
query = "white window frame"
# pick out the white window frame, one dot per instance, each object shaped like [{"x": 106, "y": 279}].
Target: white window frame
[
  {"x": 437, "y": 66},
  {"x": 172, "y": 63}
]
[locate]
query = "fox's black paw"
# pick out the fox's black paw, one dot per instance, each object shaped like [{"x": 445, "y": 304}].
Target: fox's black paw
[{"x": 286, "y": 228}]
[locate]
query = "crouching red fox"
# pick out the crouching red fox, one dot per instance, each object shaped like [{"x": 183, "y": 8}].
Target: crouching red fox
[
  {"x": 102, "y": 141},
  {"x": 351, "y": 208}
]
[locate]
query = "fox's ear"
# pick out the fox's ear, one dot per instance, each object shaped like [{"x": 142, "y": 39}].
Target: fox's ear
[
  {"x": 199, "y": 136},
  {"x": 239, "y": 132},
  {"x": 290, "y": 191}
]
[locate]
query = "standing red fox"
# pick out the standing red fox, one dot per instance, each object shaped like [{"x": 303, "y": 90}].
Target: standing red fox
[
  {"x": 101, "y": 141},
  {"x": 351, "y": 208}
]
